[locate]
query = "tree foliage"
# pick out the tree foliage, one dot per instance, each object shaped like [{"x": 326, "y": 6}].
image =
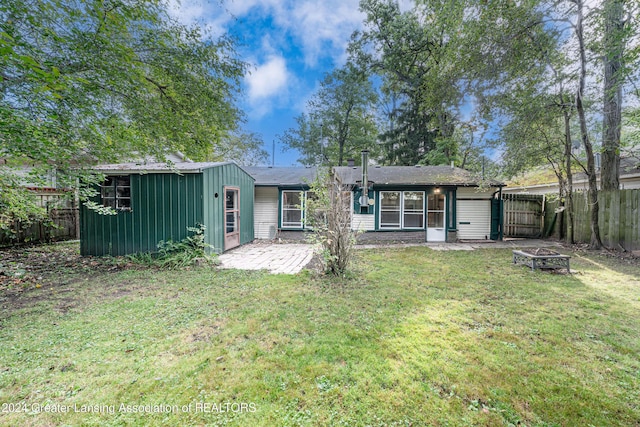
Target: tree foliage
[
  {"x": 244, "y": 148},
  {"x": 415, "y": 53},
  {"x": 95, "y": 80},
  {"x": 340, "y": 121}
]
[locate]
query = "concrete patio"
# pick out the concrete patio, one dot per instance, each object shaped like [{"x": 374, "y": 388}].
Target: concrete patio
[{"x": 277, "y": 258}]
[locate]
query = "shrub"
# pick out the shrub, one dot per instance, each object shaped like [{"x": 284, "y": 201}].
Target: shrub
[
  {"x": 328, "y": 212},
  {"x": 171, "y": 255}
]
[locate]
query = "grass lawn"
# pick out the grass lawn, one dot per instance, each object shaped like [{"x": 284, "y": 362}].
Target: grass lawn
[{"x": 420, "y": 338}]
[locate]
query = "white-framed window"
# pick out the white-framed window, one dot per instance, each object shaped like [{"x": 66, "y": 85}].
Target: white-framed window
[
  {"x": 413, "y": 209},
  {"x": 390, "y": 209},
  {"x": 292, "y": 209},
  {"x": 295, "y": 210},
  {"x": 115, "y": 192},
  {"x": 401, "y": 210}
]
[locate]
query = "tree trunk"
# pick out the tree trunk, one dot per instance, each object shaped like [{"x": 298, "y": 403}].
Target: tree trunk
[
  {"x": 612, "y": 111},
  {"x": 569, "y": 190},
  {"x": 596, "y": 241}
]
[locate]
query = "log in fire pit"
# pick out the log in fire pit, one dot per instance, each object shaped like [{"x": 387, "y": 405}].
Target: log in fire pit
[{"x": 544, "y": 259}]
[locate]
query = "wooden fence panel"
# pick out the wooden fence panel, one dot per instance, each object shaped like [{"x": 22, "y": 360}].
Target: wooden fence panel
[
  {"x": 618, "y": 218},
  {"x": 63, "y": 226},
  {"x": 523, "y": 215}
]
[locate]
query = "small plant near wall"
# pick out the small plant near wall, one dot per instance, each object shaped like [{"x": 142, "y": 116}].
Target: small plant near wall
[
  {"x": 328, "y": 213},
  {"x": 192, "y": 250}
]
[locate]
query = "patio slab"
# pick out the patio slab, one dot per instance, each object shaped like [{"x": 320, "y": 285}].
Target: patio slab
[{"x": 285, "y": 258}]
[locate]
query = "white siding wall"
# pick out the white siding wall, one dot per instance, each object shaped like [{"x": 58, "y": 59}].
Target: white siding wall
[
  {"x": 474, "y": 207},
  {"x": 363, "y": 222},
  {"x": 265, "y": 212}
]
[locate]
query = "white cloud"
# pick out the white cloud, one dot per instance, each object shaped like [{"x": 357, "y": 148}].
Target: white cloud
[
  {"x": 207, "y": 13},
  {"x": 324, "y": 28},
  {"x": 320, "y": 30},
  {"x": 268, "y": 85}
]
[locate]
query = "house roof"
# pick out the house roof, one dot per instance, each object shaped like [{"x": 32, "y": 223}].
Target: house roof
[
  {"x": 158, "y": 167},
  {"x": 412, "y": 175},
  {"x": 544, "y": 180},
  {"x": 281, "y": 176}
]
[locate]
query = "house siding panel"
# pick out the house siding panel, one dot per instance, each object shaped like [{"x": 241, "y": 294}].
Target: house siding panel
[
  {"x": 266, "y": 212},
  {"x": 363, "y": 222},
  {"x": 156, "y": 200},
  {"x": 215, "y": 180}
]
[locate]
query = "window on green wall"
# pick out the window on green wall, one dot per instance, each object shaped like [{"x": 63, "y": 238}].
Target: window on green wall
[
  {"x": 390, "y": 208},
  {"x": 115, "y": 192},
  {"x": 401, "y": 210},
  {"x": 413, "y": 208}
]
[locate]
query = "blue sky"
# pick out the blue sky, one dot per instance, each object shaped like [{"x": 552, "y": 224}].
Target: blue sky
[{"x": 289, "y": 45}]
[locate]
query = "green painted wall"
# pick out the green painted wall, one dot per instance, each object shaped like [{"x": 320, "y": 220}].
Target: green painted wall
[
  {"x": 163, "y": 205},
  {"x": 215, "y": 180}
]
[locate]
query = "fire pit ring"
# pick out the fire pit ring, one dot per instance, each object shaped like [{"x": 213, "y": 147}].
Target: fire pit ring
[{"x": 542, "y": 258}]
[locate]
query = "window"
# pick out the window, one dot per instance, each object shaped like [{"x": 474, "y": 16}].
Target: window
[
  {"x": 116, "y": 192},
  {"x": 232, "y": 210},
  {"x": 402, "y": 209},
  {"x": 295, "y": 209},
  {"x": 435, "y": 210},
  {"x": 413, "y": 209},
  {"x": 390, "y": 209},
  {"x": 292, "y": 209}
]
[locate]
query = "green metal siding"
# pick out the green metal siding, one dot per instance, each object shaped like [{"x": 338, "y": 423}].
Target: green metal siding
[
  {"x": 215, "y": 180},
  {"x": 163, "y": 205}
]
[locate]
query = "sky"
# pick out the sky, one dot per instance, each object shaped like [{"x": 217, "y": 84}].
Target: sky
[{"x": 289, "y": 46}]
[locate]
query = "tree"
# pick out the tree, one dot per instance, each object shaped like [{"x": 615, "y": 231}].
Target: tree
[
  {"x": 329, "y": 215},
  {"x": 340, "y": 122},
  {"x": 618, "y": 53},
  {"x": 414, "y": 52},
  {"x": 244, "y": 148},
  {"x": 95, "y": 80},
  {"x": 596, "y": 241},
  {"x": 525, "y": 79}
]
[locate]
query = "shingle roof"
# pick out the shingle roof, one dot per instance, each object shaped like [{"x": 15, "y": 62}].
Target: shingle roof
[
  {"x": 273, "y": 176},
  {"x": 182, "y": 167},
  {"x": 411, "y": 175}
]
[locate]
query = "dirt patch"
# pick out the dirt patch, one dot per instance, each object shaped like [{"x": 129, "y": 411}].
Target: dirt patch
[
  {"x": 29, "y": 274},
  {"x": 625, "y": 257},
  {"x": 48, "y": 263}
]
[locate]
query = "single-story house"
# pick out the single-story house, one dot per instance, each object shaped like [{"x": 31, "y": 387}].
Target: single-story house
[
  {"x": 435, "y": 203},
  {"x": 424, "y": 203},
  {"x": 158, "y": 202}
]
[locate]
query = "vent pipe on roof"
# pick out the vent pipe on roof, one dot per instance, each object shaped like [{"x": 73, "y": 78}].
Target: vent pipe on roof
[
  {"x": 351, "y": 162},
  {"x": 365, "y": 177}
]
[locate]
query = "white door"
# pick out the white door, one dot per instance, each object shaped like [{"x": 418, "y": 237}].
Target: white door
[
  {"x": 474, "y": 219},
  {"x": 436, "y": 210}
]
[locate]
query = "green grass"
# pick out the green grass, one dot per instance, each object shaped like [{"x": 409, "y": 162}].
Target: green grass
[{"x": 419, "y": 338}]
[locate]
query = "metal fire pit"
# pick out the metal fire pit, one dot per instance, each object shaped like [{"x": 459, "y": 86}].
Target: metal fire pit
[{"x": 544, "y": 259}]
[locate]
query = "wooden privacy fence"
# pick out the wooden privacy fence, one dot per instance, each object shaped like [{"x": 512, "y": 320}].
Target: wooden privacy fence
[
  {"x": 523, "y": 215},
  {"x": 62, "y": 223},
  {"x": 619, "y": 218},
  {"x": 62, "y": 226}
]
